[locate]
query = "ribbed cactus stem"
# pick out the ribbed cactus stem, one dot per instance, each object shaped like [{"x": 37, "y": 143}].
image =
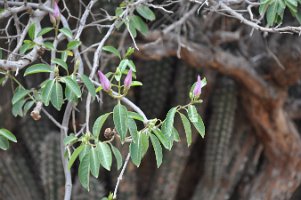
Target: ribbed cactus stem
[
  {"x": 156, "y": 78},
  {"x": 17, "y": 179},
  {"x": 220, "y": 128},
  {"x": 97, "y": 190},
  {"x": 51, "y": 168}
]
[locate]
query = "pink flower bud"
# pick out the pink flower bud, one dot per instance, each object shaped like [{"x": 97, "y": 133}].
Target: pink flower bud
[
  {"x": 106, "y": 85},
  {"x": 56, "y": 11},
  {"x": 55, "y": 16},
  {"x": 198, "y": 87},
  {"x": 128, "y": 80}
]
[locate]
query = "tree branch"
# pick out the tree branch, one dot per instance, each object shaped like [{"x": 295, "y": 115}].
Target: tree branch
[{"x": 199, "y": 55}]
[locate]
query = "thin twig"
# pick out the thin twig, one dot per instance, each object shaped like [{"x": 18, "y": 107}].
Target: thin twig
[
  {"x": 121, "y": 175},
  {"x": 64, "y": 132}
]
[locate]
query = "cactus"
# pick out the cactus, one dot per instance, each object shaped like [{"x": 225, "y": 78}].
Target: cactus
[
  {"x": 17, "y": 180},
  {"x": 156, "y": 78},
  {"x": 51, "y": 168},
  {"x": 220, "y": 128},
  {"x": 221, "y": 125},
  {"x": 97, "y": 190},
  {"x": 33, "y": 133}
]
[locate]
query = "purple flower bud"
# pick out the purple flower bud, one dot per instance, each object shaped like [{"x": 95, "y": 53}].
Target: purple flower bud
[
  {"x": 128, "y": 80},
  {"x": 106, "y": 85},
  {"x": 56, "y": 11},
  {"x": 198, "y": 87},
  {"x": 55, "y": 16}
]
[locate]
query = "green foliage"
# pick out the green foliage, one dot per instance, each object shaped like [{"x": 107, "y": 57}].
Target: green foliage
[
  {"x": 196, "y": 120},
  {"x": 32, "y": 31},
  {"x": 112, "y": 50},
  {"x": 37, "y": 68},
  {"x": 157, "y": 148},
  {"x": 99, "y": 123},
  {"x": 168, "y": 122},
  {"x": 92, "y": 151},
  {"x": 117, "y": 156},
  {"x": 61, "y": 63},
  {"x": 72, "y": 85},
  {"x": 274, "y": 10},
  {"x": 146, "y": 12},
  {"x": 187, "y": 128},
  {"x": 67, "y": 32},
  {"x": 5, "y": 137},
  {"x": 44, "y": 31},
  {"x": 120, "y": 120},
  {"x": 73, "y": 44}
]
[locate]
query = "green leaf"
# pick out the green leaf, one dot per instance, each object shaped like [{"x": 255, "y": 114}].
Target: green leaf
[
  {"x": 32, "y": 31},
  {"x": 136, "y": 151},
  {"x": 192, "y": 113},
  {"x": 47, "y": 91},
  {"x": 175, "y": 135},
  {"x": 48, "y": 45},
  {"x": 73, "y": 44},
  {"x": 89, "y": 85},
  {"x": 196, "y": 120},
  {"x": 162, "y": 138},
  {"x": 37, "y": 68},
  {"x": 133, "y": 129},
  {"x": 168, "y": 122},
  {"x": 94, "y": 162},
  {"x": 187, "y": 128},
  {"x": 135, "y": 116},
  {"x": 44, "y": 31},
  {"x": 123, "y": 64},
  {"x": 4, "y": 144},
  {"x": 117, "y": 155},
  {"x": 70, "y": 139},
  {"x": 64, "y": 56},
  {"x": 271, "y": 13},
  {"x": 70, "y": 95},
  {"x": 136, "y": 83},
  {"x": 26, "y": 47},
  {"x": 146, "y": 12},
  {"x": 118, "y": 11},
  {"x": 74, "y": 155},
  {"x": 157, "y": 148},
  {"x": 105, "y": 155},
  {"x": 27, "y": 106},
  {"x": 145, "y": 143},
  {"x": 139, "y": 24},
  {"x": 66, "y": 32},
  {"x": 131, "y": 28},
  {"x": 84, "y": 171},
  {"x": 20, "y": 93},
  {"x": 112, "y": 50},
  {"x": 129, "y": 52},
  {"x": 61, "y": 63},
  {"x": 120, "y": 120},
  {"x": 99, "y": 123},
  {"x": 57, "y": 98},
  {"x": 85, "y": 151},
  {"x": 72, "y": 85},
  {"x": 98, "y": 89},
  {"x": 17, "y": 108},
  {"x": 8, "y": 135}
]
